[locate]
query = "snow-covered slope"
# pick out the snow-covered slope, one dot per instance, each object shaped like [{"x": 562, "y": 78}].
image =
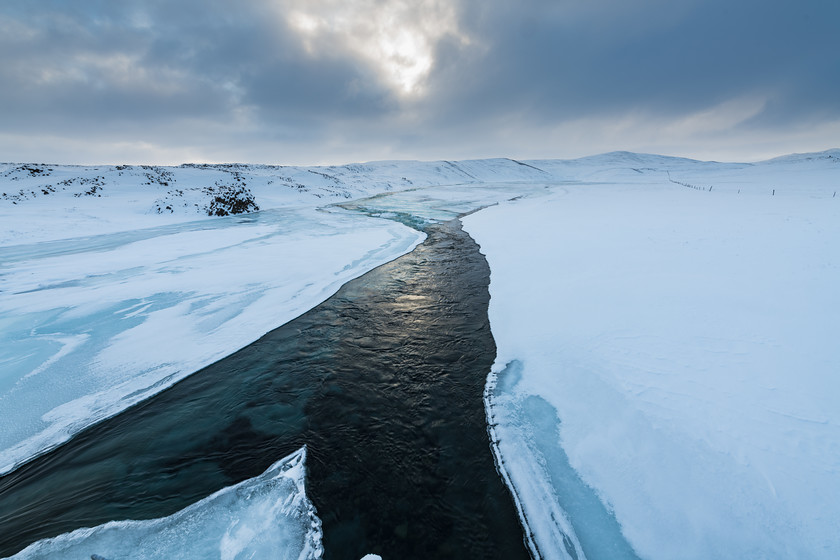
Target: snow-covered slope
[{"x": 41, "y": 202}]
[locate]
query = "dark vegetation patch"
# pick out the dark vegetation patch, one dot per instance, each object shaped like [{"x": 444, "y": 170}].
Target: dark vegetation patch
[
  {"x": 156, "y": 175},
  {"x": 235, "y": 198},
  {"x": 28, "y": 170}
]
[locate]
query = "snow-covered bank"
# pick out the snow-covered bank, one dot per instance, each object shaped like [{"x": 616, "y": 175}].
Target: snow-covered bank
[
  {"x": 676, "y": 349},
  {"x": 264, "y": 517},
  {"x": 93, "y": 325}
]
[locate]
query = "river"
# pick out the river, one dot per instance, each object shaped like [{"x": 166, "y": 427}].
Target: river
[{"x": 383, "y": 382}]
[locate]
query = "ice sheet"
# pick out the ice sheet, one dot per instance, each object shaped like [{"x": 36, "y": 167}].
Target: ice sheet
[
  {"x": 268, "y": 516},
  {"x": 90, "y": 326},
  {"x": 442, "y": 203},
  {"x": 686, "y": 342}
]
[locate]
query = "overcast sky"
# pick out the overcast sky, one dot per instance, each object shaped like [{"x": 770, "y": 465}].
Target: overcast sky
[{"x": 337, "y": 81}]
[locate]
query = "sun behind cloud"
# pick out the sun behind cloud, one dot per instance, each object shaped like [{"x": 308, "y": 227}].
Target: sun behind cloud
[{"x": 396, "y": 38}]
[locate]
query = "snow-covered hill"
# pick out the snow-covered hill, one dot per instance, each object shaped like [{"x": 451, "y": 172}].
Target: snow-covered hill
[{"x": 39, "y": 201}]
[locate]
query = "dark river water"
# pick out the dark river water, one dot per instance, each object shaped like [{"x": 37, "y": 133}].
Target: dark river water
[{"x": 383, "y": 382}]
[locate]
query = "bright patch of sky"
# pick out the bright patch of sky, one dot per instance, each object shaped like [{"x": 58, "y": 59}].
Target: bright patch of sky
[{"x": 397, "y": 38}]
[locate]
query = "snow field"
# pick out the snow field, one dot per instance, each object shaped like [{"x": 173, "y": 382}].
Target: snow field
[{"x": 687, "y": 341}]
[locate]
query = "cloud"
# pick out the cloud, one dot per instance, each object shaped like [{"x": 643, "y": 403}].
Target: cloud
[
  {"x": 396, "y": 38},
  {"x": 428, "y": 78},
  {"x": 568, "y": 58}
]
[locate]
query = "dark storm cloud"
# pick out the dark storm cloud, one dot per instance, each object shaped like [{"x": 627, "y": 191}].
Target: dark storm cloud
[
  {"x": 571, "y": 58},
  {"x": 116, "y": 69},
  {"x": 71, "y": 63},
  {"x": 126, "y": 61}
]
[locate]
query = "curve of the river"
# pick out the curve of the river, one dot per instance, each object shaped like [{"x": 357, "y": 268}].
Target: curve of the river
[{"x": 383, "y": 382}]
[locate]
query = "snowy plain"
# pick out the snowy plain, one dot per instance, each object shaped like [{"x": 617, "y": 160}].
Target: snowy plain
[
  {"x": 671, "y": 348},
  {"x": 667, "y": 371}
]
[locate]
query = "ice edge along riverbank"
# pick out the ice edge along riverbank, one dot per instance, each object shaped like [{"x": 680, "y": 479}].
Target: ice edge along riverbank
[
  {"x": 266, "y": 516},
  {"x": 555, "y": 536},
  {"x": 164, "y": 306}
]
